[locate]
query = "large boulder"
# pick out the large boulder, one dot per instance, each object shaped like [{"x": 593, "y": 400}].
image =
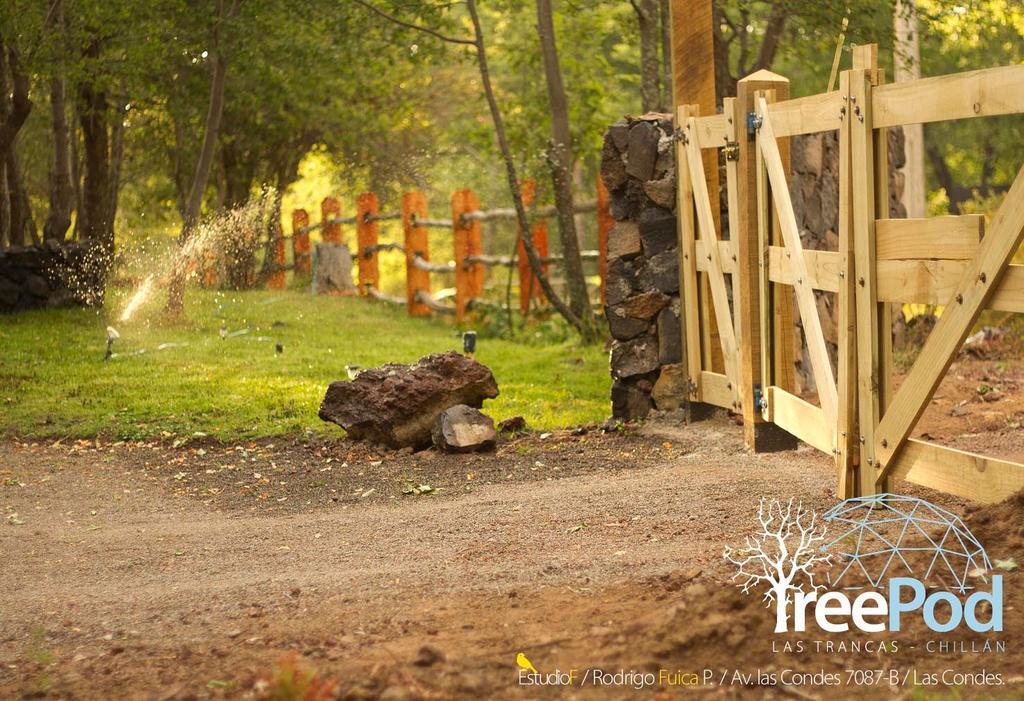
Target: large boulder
[
  {"x": 397, "y": 404},
  {"x": 463, "y": 429}
]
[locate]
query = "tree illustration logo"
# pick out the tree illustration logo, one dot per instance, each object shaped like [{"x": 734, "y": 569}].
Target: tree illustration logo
[
  {"x": 782, "y": 555},
  {"x": 882, "y": 547}
]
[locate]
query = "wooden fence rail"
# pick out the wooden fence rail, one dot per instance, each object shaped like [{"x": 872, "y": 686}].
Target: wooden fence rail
[
  {"x": 957, "y": 262},
  {"x": 469, "y": 265}
]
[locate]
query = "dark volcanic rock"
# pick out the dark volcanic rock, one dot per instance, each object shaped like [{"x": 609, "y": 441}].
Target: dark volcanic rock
[
  {"x": 624, "y": 240},
  {"x": 463, "y": 429},
  {"x": 613, "y": 169},
  {"x": 645, "y": 305},
  {"x": 670, "y": 334},
  {"x": 620, "y": 281},
  {"x": 397, "y": 404},
  {"x": 643, "y": 150},
  {"x": 629, "y": 402},
  {"x": 622, "y": 326},
  {"x": 636, "y": 357},
  {"x": 661, "y": 272},
  {"x": 657, "y": 230},
  {"x": 513, "y": 425}
]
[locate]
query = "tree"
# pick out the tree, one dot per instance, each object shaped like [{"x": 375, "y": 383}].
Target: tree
[
  {"x": 647, "y": 16},
  {"x": 782, "y": 554},
  {"x": 511, "y": 172},
  {"x": 561, "y": 159},
  {"x": 197, "y": 190}
]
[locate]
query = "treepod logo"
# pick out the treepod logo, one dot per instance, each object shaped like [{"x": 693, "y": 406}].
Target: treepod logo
[{"x": 891, "y": 549}]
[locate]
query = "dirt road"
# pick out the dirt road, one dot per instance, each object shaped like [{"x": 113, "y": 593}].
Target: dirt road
[{"x": 144, "y": 571}]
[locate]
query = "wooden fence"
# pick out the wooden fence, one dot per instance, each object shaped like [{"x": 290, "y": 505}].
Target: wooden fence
[
  {"x": 470, "y": 261},
  {"x": 742, "y": 292}
]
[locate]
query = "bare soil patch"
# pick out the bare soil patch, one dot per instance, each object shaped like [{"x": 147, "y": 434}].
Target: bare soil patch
[{"x": 152, "y": 572}]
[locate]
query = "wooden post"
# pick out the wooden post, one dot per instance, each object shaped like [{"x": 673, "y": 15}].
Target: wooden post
[
  {"x": 414, "y": 206},
  {"x": 605, "y": 222},
  {"x": 276, "y": 279},
  {"x": 300, "y": 242},
  {"x": 367, "y": 232},
  {"x": 693, "y": 83},
  {"x": 757, "y": 434},
  {"x": 466, "y": 242},
  {"x": 330, "y": 209},
  {"x": 528, "y": 284}
]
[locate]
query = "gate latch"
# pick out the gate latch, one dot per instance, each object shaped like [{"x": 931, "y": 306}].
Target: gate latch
[
  {"x": 732, "y": 150},
  {"x": 760, "y": 402}
]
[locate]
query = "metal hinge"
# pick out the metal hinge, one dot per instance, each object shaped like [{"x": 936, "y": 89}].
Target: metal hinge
[
  {"x": 754, "y": 122},
  {"x": 732, "y": 150}
]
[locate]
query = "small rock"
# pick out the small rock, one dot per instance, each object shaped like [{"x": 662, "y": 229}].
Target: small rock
[
  {"x": 671, "y": 388},
  {"x": 645, "y": 305},
  {"x": 428, "y": 656},
  {"x": 513, "y": 425},
  {"x": 463, "y": 429}
]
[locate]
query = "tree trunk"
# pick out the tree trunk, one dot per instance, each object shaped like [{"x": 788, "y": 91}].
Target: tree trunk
[
  {"x": 907, "y": 62},
  {"x": 666, "y": 56},
  {"x": 12, "y": 118},
  {"x": 62, "y": 193},
  {"x": 116, "y": 158},
  {"x": 523, "y": 220},
  {"x": 95, "y": 223},
  {"x": 194, "y": 202},
  {"x": 560, "y": 158},
  {"x": 23, "y": 227},
  {"x": 5, "y": 209},
  {"x": 647, "y": 13}
]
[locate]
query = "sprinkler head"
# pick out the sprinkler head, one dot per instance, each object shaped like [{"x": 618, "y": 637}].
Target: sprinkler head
[
  {"x": 112, "y": 335},
  {"x": 469, "y": 343}
]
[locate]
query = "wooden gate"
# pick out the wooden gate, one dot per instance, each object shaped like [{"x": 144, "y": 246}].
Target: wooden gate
[{"x": 879, "y": 262}]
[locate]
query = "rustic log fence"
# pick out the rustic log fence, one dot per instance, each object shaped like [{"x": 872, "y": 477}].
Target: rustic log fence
[
  {"x": 469, "y": 264},
  {"x": 740, "y": 292}
]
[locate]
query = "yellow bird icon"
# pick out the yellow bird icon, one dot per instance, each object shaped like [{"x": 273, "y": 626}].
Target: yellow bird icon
[{"x": 524, "y": 662}]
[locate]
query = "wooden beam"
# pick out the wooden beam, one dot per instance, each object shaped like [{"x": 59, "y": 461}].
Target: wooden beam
[
  {"x": 801, "y": 418},
  {"x": 958, "y": 472},
  {"x": 689, "y": 308},
  {"x": 821, "y": 365},
  {"x": 983, "y": 93},
  {"x": 862, "y": 179},
  {"x": 976, "y": 287},
  {"x": 806, "y": 115},
  {"x": 717, "y": 389},
  {"x": 716, "y": 278},
  {"x": 939, "y": 238},
  {"x": 846, "y": 437},
  {"x": 712, "y": 130},
  {"x": 935, "y": 282},
  {"x": 823, "y": 268},
  {"x": 726, "y": 253},
  {"x": 757, "y": 433}
]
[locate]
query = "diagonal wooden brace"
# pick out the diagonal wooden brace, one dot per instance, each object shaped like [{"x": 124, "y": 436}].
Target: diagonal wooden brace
[
  {"x": 716, "y": 278},
  {"x": 821, "y": 366},
  {"x": 976, "y": 286}
]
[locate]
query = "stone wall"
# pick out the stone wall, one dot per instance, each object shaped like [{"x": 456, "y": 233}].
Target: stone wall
[
  {"x": 642, "y": 284},
  {"x": 51, "y": 275}
]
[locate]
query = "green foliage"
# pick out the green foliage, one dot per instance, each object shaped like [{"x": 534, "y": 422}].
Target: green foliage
[{"x": 53, "y": 381}]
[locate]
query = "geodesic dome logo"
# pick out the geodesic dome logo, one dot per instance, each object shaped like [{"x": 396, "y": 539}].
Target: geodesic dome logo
[
  {"x": 904, "y": 554},
  {"x": 885, "y": 535}
]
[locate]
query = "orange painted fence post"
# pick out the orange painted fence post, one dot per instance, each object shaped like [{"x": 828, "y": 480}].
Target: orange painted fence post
[
  {"x": 276, "y": 279},
  {"x": 367, "y": 233},
  {"x": 300, "y": 242},
  {"x": 330, "y": 209},
  {"x": 414, "y": 207},
  {"x": 469, "y": 277},
  {"x": 529, "y": 286},
  {"x": 605, "y": 222}
]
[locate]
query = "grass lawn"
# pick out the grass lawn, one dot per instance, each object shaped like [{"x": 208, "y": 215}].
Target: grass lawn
[{"x": 54, "y": 382}]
